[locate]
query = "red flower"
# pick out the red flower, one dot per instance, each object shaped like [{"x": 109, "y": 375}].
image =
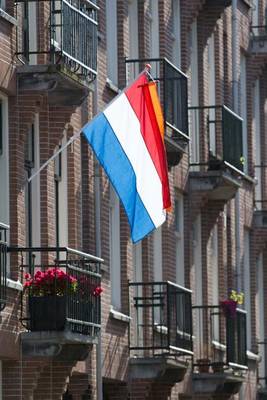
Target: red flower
[{"x": 97, "y": 291}]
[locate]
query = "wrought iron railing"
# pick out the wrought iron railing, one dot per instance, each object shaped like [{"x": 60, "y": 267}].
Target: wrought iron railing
[
  {"x": 222, "y": 129},
  {"x": 70, "y": 38},
  {"x": 161, "y": 319},
  {"x": 220, "y": 339},
  {"x": 172, "y": 85},
  {"x": 76, "y": 298},
  {"x": 3, "y": 264},
  {"x": 259, "y": 31}
]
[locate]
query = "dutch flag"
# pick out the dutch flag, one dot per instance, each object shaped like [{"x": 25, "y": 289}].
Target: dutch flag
[{"x": 127, "y": 138}]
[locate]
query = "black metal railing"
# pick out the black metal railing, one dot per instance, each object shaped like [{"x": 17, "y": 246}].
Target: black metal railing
[
  {"x": 220, "y": 338},
  {"x": 262, "y": 370},
  {"x": 161, "y": 318},
  {"x": 70, "y": 38},
  {"x": 172, "y": 87},
  {"x": 258, "y": 31},
  {"x": 64, "y": 280},
  {"x": 222, "y": 130},
  {"x": 3, "y": 265}
]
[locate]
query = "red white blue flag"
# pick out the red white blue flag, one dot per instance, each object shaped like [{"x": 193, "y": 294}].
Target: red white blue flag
[{"x": 127, "y": 138}]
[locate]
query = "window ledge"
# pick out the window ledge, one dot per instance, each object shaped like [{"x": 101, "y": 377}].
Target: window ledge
[
  {"x": 252, "y": 356},
  {"x": 218, "y": 345},
  {"x": 16, "y": 285},
  {"x": 119, "y": 316},
  {"x": 112, "y": 86},
  {"x": 8, "y": 17}
]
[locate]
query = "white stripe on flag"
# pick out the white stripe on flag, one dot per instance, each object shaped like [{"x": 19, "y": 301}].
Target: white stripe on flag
[{"x": 126, "y": 127}]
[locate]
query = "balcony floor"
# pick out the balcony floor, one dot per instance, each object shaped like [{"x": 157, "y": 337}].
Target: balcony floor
[
  {"x": 56, "y": 80},
  {"x": 59, "y": 345},
  {"x": 223, "y": 384},
  {"x": 162, "y": 368},
  {"x": 218, "y": 185}
]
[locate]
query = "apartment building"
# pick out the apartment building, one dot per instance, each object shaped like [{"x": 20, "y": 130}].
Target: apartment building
[{"x": 158, "y": 329}]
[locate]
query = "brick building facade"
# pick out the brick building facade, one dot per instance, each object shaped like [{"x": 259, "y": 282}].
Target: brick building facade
[{"x": 163, "y": 332}]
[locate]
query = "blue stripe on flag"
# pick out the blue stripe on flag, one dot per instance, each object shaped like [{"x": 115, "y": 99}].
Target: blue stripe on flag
[{"x": 117, "y": 166}]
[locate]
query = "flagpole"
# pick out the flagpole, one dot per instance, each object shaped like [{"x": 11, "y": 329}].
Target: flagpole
[{"x": 74, "y": 137}]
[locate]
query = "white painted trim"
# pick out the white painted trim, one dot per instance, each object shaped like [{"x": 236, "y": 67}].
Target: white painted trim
[
  {"x": 112, "y": 41},
  {"x": 261, "y": 314},
  {"x": 211, "y": 92},
  {"x": 194, "y": 95},
  {"x": 176, "y": 46},
  {"x": 36, "y": 206},
  {"x": 119, "y": 316},
  {"x": 154, "y": 28},
  {"x": 33, "y": 31},
  {"x": 243, "y": 113},
  {"x": 115, "y": 258},
  {"x": 4, "y": 164},
  {"x": 179, "y": 241},
  {"x": 133, "y": 29},
  {"x": 16, "y": 285},
  {"x": 257, "y": 130},
  {"x": 247, "y": 290},
  {"x": 63, "y": 197}
]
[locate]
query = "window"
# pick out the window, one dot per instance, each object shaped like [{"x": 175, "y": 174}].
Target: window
[
  {"x": 193, "y": 94},
  {"x": 61, "y": 197},
  {"x": 3, "y": 4},
  {"x": 261, "y": 317},
  {"x": 133, "y": 29},
  {"x": 32, "y": 196},
  {"x": 179, "y": 236},
  {"x": 247, "y": 291},
  {"x": 243, "y": 108},
  {"x": 211, "y": 94},
  {"x": 176, "y": 27},
  {"x": 214, "y": 268},
  {"x": 154, "y": 28},
  {"x": 4, "y": 161},
  {"x": 115, "y": 260},
  {"x": 256, "y": 123},
  {"x": 111, "y": 40}
]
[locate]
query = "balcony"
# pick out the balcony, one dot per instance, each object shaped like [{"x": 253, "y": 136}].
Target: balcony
[
  {"x": 63, "y": 58},
  {"x": 258, "y": 40},
  {"x": 218, "y": 172},
  {"x": 220, "y": 360},
  {"x": 172, "y": 88},
  {"x": 61, "y": 306},
  {"x": 3, "y": 265},
  {"x": 262, "y": 375},
  {"x": 160, "y": 331}
]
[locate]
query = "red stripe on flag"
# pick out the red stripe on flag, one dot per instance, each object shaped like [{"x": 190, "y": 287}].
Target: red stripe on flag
[{"x": 144, "y": 110}]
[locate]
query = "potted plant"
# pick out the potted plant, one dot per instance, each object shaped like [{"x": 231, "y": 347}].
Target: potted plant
[
  {"x": 47, "y": 291},
  {"x": 229, "y": 305}
]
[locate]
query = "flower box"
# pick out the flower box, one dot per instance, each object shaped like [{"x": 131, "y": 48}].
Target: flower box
[{"x": 47, "y": 313}]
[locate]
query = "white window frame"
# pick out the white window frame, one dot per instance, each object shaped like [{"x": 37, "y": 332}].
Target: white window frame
[
  {"x": 197, "y": 268},
  {"x": 247, "y": 282},
  {"x": 63, "y": 197},
  {"x": 154, "y": 28},
  {"x": 133, "y": 29},
  {"x": 114, "y": 242},
  {"x": 33, "y": 31},
  {"x": 255, "y": 15},
  {"x": 214, "y": 263},
  {"x": 194, "y": 95},
  {"x": 179, "y": 239},
  {"x": 112, "y": 41},
  {"x": 261, "y": 315},
  {"x": 257, "y": 130},
  {"x": 36, "y": 206},
  {"x": 212, "y": 91},
  {"x": 176, "y": 33},
  {"x": 4, "y": 163},
  {"x": 3, "y": 7},
  {"x": 243, "y": 109}
]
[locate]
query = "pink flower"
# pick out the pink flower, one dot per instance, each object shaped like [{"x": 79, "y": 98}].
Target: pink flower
[{"x": 27, "y": 276}]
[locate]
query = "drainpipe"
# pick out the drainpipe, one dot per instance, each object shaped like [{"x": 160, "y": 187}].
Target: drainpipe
[
  {"x": 235, "y": 49},
  {"x": 97, "y": 193}
]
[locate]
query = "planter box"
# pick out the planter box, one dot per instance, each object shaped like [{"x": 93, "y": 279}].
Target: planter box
[{"x": 47, "y": 313}]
